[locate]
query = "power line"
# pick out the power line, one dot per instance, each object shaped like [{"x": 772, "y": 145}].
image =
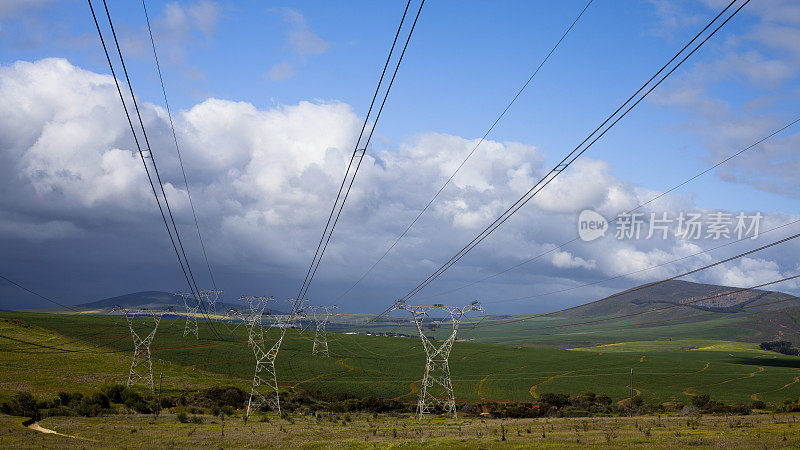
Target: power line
[
  {"x": 660, "y": 195},
  {"x": 691, "y": 316},
  {"x": 355, "y": 150},
  {"x": 39, "y": 295},
  {"x": 177, "y": 148},
  {"x": 39, "y": 345},
  {"x": 320, "y": 252},
  {"x": 149, "y": 154},
  {"x": 604, "y": 319},
  {"x": 577, "y": 152},
  {"x": 150, "y": 149},
  {"x": 567, "y": 160},
  {"x": 648, "y": 285},
  {"x": 641, "y": 270},
  {"x": 480, "y": 141},
  {"x": 663, "y": 308}
]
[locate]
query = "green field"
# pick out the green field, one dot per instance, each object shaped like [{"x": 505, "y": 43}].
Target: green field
[
  {"x": 392, "y": 367},
  {"x": 560, "y": 332}
]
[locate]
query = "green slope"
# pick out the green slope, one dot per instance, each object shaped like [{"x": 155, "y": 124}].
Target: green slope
[
  {"x": 392, "y": 367},
  {"x": 687, "y": 297}
]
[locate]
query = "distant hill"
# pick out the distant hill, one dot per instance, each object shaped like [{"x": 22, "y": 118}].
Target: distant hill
[
  {"x": 668, "y": 311},
  {"x": 154, "y": 300},
  {"x": 148, "y": 299},
  {"x": 136, "y": 299},
  {"x": 677, "y": 298}
]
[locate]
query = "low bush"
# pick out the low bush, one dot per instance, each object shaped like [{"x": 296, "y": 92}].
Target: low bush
[{"x": 21, "y": 404}]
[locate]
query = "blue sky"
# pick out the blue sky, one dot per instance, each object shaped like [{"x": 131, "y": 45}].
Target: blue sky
[{"x": 465, "y": 61}]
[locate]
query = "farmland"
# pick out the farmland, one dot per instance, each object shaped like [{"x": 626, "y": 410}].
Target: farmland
[{"x": 664, "y": 371}]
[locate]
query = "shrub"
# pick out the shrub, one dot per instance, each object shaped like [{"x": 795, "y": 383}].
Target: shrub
[
  {"x": 758, "y": 404},
  {"x": 784, "y": 347},
  {"x": 67, "y": 399},
  {"x": 182, "y": 417},
  {"x": 21, "y": 404},
  {"x": 220, "y": 396},
  {"x": 701, "y": 400},
  {"x": 740, "y": 408},
  {"x": 790, "y": 406},
  {"x": 142, "y": 407},
  {"x": 56, "y": 411},
  {"x": 116, "y": 393},
  {"x": 98, "y": 398},
  {"x": 168, "y": 402},
  {"x": 604, "y": 399},
  {"x": 88, "y": 409},
  {"x": 557, "y": 400}
]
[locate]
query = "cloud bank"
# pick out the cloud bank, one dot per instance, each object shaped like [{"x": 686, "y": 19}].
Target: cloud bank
[{"x": 77, "y": 213}]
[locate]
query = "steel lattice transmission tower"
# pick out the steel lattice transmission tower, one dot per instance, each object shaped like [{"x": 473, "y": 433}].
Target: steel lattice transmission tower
[
  {"x": 320, "y": 315},
  {"x": 211, "y": 297},
  {"x": 191, "y": 313},
  {"x": 231, "y": 316},
  {"x": 265, "y": 381},
  {"x": 141, "y": 367},
  {"x": 437, "y": 388}
]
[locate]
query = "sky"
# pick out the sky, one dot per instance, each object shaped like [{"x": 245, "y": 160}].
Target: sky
[{"x": 268, "y": 99}]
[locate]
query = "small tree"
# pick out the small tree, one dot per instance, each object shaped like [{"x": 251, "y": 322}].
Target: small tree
[{"x": 701, "y": 400}]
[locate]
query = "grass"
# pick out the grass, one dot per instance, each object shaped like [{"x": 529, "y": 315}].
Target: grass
[
  {"x": 389, "y": 367},
  {"x": 678, "y": 344},
  {"x": 13, "y": 434},
  {"x": 562, "y": 332},
  {"x": 45, "y": 371},
  {"x": 364, "y": 431}
]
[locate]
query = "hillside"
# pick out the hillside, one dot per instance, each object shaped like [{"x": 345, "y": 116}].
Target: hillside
[
  {"x": 136, "y": 299},
  {"x": 683, "y": 297},
  {"x": 670, "y": 311},
  {"x": 391, "y": 367},
  {"x": 46, "y": 363},
  {"x": 147, "y": 299}
]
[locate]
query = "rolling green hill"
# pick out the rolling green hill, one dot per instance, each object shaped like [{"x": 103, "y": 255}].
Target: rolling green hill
[
  {"x": 668, "y": 311},
  {"x": 671, "y": 310},
  {"x": 137, "y": 299},
  {"x": 676, "y": 352},
  {"x": 392, "y": 367}
]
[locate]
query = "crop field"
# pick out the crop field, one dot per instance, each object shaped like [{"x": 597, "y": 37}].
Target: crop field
[
  {"x": 388, "y": 367},
  {"x": 559, "y": 332},
  {"x": 563, "y": 332}
]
